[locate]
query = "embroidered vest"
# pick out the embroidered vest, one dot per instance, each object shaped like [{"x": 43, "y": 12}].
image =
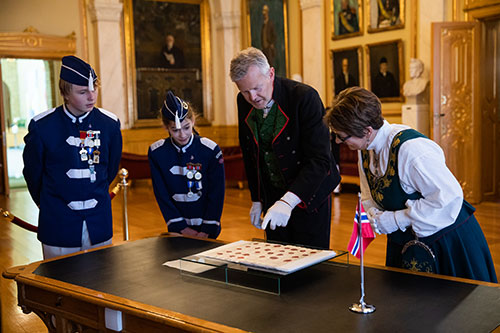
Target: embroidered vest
[
  {"x": 386, "y": 190},
  {"x": 266, "y": 129}
]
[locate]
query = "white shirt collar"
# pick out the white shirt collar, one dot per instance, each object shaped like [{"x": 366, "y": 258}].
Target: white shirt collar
[
  {"x": 72, "y": 117},
  {"x": 380, "y": 139},
  {"x": 267, "y": 108},
  {"x": 183, "y": 149}
]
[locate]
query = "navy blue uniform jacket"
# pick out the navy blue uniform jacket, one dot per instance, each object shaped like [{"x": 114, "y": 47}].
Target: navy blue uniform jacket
[
  {"x": 202, "y": 208},
  {"x": 58, "y": 180}
]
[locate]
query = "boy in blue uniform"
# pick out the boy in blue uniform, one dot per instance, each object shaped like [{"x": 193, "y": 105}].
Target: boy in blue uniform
[
  {"x": 71, "y": 156},
  {"x": 188, "y": 174}
]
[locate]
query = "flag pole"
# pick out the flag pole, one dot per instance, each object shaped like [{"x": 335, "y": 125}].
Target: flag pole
[{"x": 361, "y": 307}]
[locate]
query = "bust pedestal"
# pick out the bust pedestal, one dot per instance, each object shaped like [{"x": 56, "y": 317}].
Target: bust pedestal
[
  {"x": 417, "y": 117},
  {"x": 415, "y": 112}
]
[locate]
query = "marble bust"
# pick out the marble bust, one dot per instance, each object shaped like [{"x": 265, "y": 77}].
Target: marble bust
[{"x": 417, "y": 84}]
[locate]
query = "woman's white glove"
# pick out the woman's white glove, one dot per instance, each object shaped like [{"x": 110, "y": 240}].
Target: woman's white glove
[
  {"x": 255, "y": 213},
  {"x": 382, "y": 222}
]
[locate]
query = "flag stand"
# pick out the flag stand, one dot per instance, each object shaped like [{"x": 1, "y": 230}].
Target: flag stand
[{"x": 361, "y": 307}]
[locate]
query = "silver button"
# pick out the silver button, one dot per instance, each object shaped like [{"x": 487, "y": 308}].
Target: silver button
[{"x": 293, "y": 151}]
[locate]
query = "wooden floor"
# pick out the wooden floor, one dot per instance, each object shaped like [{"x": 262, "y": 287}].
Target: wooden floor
[{"x": 19, "y": 247}]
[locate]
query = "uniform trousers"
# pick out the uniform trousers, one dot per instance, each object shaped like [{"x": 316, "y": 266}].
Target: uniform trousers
[{"x": 56, "y": 251}]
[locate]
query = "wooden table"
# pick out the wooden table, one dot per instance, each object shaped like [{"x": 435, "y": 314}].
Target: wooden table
[{"x": 74, "y": 293}]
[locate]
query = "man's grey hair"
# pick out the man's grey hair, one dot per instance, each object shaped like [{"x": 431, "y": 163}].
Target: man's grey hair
[{"x": 246, "y": 58}]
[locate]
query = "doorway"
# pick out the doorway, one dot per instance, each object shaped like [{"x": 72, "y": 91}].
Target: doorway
[{"x": 29, "y": 87}]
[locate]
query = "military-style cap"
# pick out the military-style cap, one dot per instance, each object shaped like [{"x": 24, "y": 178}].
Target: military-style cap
[
  {"x": 76, "y": 71},
  {"x": 174, "y": 109}
]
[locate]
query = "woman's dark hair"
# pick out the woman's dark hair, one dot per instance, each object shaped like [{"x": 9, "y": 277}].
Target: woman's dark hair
[{"x": 353, "y": 110}]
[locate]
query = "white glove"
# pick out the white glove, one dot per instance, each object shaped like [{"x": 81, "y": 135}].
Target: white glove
[
  {"x": 278, "y": 215},
  {"x": 255, "y": 213},
  {"x": 382, "y": 222}
]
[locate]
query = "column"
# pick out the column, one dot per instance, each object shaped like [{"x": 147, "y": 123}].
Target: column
[
  {"x": 226, "y": 34},
  {"x": 106, "y": 22},
  {"x": 313, "y": 45}
]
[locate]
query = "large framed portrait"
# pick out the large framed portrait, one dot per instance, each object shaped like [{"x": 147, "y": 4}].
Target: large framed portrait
[
  {"x": 386, "y": 15},
  {"x": 165, "y": 43},
  {"x": 347, "y": 18},
  {"x": 385, "y": 62},
  {"x": 347, "y": 68},
  {"x": 267, "y": 28}
]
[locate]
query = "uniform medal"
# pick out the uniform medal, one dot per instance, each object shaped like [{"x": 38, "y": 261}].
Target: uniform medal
[
  {"x": 97, "y": 144},
  {"x": 89, "y": 151},
  {"x": 97, "y": 141},
  {"x": 193, "y": 175},
  {"x": 189, "y": 176},
  {"x": 83, "y": 152},
  {"x": 197, "y": 177},
  {"x": 83, "y": 155},
  {"x": 92, "y": 172},
  {"x": 96, "y": 156}
]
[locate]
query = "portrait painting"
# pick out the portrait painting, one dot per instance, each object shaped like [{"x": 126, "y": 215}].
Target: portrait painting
[
  {"x": 165, "y": 52},
  {"x": 267, "y": 26},
  {"x": 347, "y": 18},
  {"x": 347, "y": 68},
  {"x": 386, "y": 70},
  {"x": 386, "y": 15}
]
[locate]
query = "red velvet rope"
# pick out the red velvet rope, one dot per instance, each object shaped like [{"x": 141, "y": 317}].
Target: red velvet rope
[{"x": 30, "y": 227}]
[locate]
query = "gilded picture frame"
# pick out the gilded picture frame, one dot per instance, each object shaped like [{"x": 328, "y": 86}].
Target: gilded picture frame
[
  {"x": 385, "y": 67},
  {"x": 149, "y": 74},
  {"x": 347, "y": 68},
  {"x": 347, "y": 18},
  {"x": 386, "y": 15},
  {"x": 268, "y": 31}
]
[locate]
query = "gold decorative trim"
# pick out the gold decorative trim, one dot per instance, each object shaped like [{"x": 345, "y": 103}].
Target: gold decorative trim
[
  {"x": 414, "y": 30},
  {"x": 482, "y": 12},
  {"x": 479, "y": 4},
  {"x": 32, "y": 44},
  {"x": 84, "y": 29}
]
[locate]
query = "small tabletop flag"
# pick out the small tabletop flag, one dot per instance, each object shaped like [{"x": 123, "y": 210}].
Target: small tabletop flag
[{"x": 366, "y": 232}]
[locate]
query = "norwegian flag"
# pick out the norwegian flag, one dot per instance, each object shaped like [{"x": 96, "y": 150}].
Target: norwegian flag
[{"x": 366, "y": 232}]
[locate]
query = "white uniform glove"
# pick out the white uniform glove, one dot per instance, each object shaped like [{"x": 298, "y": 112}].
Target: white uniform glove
[
  {"x": 278, "y": 215},
  {"x": 255, "y": 213},
  {"x": 382, "y": 222}
]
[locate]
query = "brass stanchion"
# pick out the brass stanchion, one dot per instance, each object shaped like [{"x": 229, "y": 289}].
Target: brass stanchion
[{"x": 124, "y": 184}]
